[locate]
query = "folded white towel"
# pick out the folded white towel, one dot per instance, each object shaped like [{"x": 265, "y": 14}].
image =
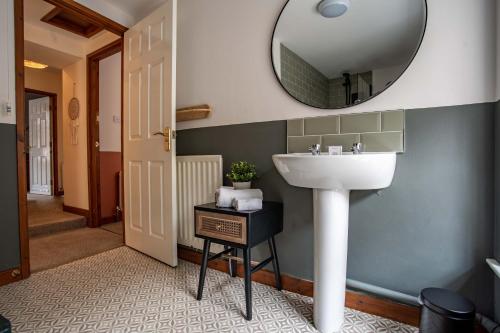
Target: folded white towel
[
  {"x": 217, "y": 193},
  {"x": 224, "y": 195},
  {"x": 247, "y": 204}
]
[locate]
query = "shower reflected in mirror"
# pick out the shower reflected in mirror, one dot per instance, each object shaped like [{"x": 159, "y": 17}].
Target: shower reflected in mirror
[{"x": 337, "y": 53}]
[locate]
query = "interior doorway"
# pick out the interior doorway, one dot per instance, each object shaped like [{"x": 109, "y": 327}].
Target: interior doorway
[
  {"x": 41, "y": 143},
  {"x": 104, "y": 72},
  {"x": 56, "y": 246}
]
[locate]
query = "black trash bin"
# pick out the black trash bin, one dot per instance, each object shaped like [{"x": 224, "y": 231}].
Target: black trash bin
[
  {"x": 444, "y": 311},
  {"x": 4, "y": 325}
]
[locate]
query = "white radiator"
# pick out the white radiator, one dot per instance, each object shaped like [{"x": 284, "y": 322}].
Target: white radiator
[{"x": 197, "y": 179}]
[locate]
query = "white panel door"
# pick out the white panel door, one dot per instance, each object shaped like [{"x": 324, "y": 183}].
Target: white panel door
[
  {"x": 149, "y": 107},
  {"x": 40, "y": 146}
]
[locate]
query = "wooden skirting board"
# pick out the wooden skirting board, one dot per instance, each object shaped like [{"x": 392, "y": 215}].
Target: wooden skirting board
[
  {"x": 9, "y": 276},
  {"x": 76, "y": 210},
  {"x": 107, "y": 220},
  {"x": 366, "y": 303},
  {"x": 371, "y": 304}
]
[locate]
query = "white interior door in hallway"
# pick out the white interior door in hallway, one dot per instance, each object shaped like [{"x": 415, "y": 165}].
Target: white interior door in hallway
[
  {"x": 40, "y": 146},
  {"x": 149, "y": 108}
]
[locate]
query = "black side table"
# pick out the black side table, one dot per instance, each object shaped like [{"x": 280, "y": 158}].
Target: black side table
[
  {"x": 4, "y": 325},
  {"x": 239, "y": 230}
]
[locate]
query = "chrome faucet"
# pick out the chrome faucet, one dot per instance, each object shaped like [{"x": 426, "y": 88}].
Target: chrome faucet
[
  {"x": 315, "y": 149},
  {"x": 357, "y": 148}
]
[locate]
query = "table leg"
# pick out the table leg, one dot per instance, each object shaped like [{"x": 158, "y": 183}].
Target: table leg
[
  {"x": 276, "y": 265},
  {"x": 248, "y": 282},
  {"x": 203, "y": 269},
  {"x": 232, "y": 263}
]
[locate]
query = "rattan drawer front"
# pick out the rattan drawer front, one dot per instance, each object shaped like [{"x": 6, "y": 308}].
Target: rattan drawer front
[{"x": 221, "y": 226}]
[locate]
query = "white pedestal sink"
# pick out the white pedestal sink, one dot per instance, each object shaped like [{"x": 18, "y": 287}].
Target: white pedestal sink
[{"x": 332, "y": 177}]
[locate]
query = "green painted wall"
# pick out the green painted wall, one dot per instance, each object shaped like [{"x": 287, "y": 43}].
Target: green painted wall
[
  {"x": 9, "y": 225},
  {"x": 432, "y": 227}
]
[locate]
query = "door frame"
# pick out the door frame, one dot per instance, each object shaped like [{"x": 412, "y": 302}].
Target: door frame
[
  {"x": 93, "y": 153},
  {"x": 23, "y": 271},
  {"x": 54, "y": 140}
]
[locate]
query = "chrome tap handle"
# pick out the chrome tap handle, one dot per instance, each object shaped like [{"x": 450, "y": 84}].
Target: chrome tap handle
[
  {"x": 357, "y": 148},
  {"x": 315, "y": 149}
]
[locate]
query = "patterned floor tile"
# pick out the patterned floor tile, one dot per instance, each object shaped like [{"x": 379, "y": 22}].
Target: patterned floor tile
[{"x": 124, "y": 291}]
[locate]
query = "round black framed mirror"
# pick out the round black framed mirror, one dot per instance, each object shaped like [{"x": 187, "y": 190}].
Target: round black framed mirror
[{"x": 333, "y": 54}]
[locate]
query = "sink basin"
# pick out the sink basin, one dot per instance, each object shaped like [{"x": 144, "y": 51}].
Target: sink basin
[
  {"x": 333, "y": 177},
  {"x": 367, "y": 171}
]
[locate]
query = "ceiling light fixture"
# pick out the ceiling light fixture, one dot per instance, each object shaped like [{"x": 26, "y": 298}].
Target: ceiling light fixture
[
  {"x": 34, "y": 64},
  {"x": 333, "y": 8}
]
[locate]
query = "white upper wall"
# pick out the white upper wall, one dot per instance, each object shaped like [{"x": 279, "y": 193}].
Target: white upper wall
[
  {"x": 224, "y": 60},
  {"x": 7, "y": 83},
  {"x": 110, "y": 103}
]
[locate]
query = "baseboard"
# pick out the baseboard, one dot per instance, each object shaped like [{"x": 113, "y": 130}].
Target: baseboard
[
  {"x": 107, "y": 220},
  {"x": 358, "y": 301},
  {"x": 9, "y": 276},
  {"x": 77, "y": 211}
]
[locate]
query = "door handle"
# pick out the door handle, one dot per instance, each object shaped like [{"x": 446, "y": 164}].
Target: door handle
[{"x": 167, "y": 138}]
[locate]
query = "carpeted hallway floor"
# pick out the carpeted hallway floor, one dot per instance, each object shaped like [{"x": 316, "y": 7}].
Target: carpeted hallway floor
[
  {"x": 125, "y": 291},
  {"x": 60, "y": 248},
  {"x": 58, "y": 237},
  {"x": 46, "y": 216}
]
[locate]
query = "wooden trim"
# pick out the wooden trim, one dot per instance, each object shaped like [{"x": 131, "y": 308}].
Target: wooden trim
[
  {"x": 55, "y": 157},
  {"x": 93, "y": 127},
  {"x": 78, "y": 211},
  {"x": 55, "y": 17},
  {"x": 50, "y": 15},
  {"x": 21, "y": 155},
  {"x": 106, "y": 51},
  {"x": 107, "y": 219},
  {"x": 91, "y": 16},
  {"x": 121, "y": 191},
  {"x": 96, "y": 18},
  {"x": 11, "y": 275},
  {"x": 358, "y": 301}
]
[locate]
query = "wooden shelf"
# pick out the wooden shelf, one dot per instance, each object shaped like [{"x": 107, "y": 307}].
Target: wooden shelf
[{"x": 193, "y": 112}]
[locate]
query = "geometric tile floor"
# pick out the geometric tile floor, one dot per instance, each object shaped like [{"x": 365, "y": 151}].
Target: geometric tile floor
[{"x": 125, "y": 291}]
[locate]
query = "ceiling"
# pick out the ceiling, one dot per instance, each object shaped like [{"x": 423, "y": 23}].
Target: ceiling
[
  {"x": 370, "y": 35},
  {"x": 34, "y": 10},
  {"x": 137, "y": 9},
  {"x": 125, "y": 12},
  {"x": 52, "y": 58}
]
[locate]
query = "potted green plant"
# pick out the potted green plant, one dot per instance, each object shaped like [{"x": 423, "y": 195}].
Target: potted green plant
[{"x": 242, "y": 173}]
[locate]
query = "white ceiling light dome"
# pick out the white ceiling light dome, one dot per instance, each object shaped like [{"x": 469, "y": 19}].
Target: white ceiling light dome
[{"x": 333, "y": 8}]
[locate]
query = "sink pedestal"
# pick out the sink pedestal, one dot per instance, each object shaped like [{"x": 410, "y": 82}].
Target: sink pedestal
[
  {"x": 331, "y": 224},
  {"x": 332, "y": 177}
]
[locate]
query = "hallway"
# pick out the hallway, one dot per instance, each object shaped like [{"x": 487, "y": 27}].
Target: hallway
[
  {"x": 46, "y": 215},
  {"x": 58, "y": 237}
]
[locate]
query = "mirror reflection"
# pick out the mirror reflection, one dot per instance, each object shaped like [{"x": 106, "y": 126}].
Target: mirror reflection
[{"x": 336, "y": 53}]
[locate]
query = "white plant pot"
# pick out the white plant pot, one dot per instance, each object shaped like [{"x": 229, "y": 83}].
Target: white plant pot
[{"x": 242, "y": 185}]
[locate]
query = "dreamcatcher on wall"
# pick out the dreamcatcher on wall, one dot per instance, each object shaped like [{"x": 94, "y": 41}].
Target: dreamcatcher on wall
[{"x": 74, "y": 113}]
